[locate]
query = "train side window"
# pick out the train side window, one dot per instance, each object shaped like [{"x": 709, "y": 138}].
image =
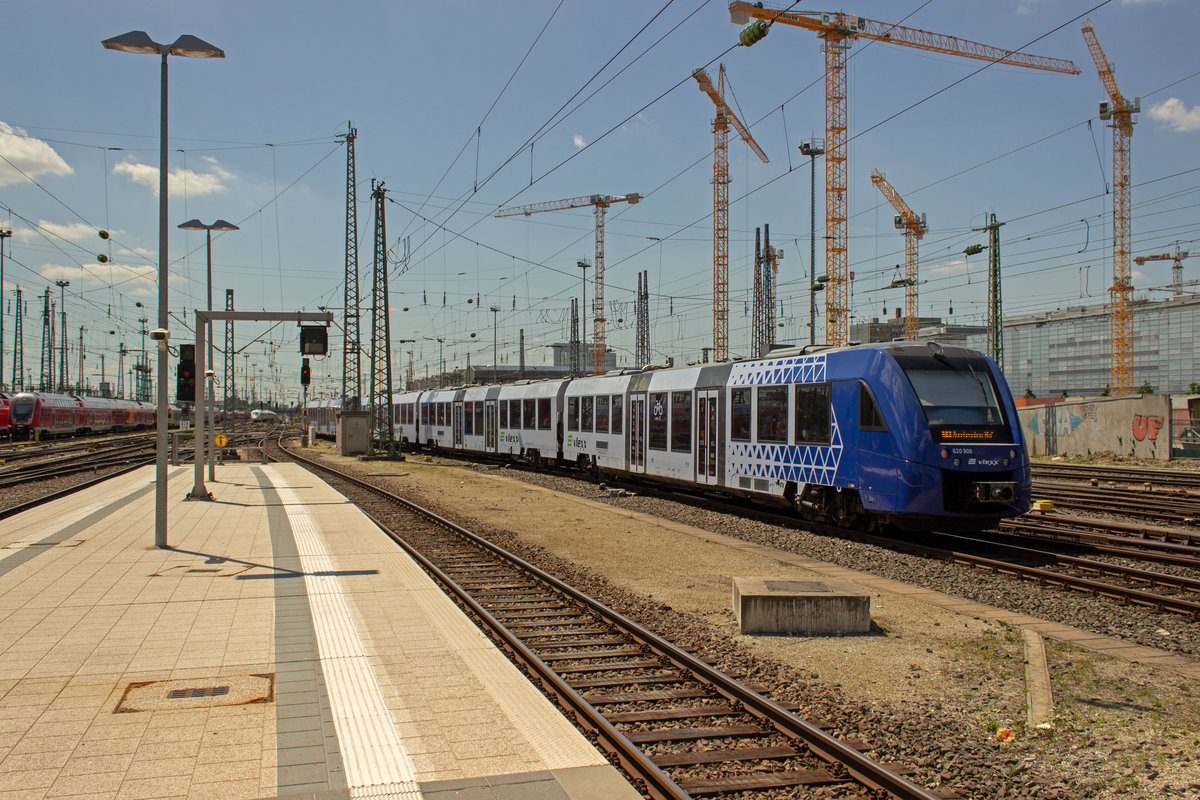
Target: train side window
[
  {"x": 529, "y": 422},
  {"x": 503, "y": 413},
  {"x": 602, "y": 414},
  {"x": 572, "y": 413},
  {"x": 681, "y": 422},
  {"x": 812, "y": 414},
  {"x": 424, "y": 413},
  {"x": 617, "y": 413},
  {"x": 468, "y": 419},
  {"x": 772, "y": 413},
  {"x": 585, "y": 414},
  {"x": 869, "y": 416},
  {"x": 543, "y": 408},
  {"x": 479, "y": 418},
  {"x": 739, "y": 403},
  {"x": 657, "y": 439}
]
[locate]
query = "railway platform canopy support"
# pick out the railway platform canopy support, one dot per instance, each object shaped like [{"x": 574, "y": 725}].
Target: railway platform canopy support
[{"x": 204, "y": 435}]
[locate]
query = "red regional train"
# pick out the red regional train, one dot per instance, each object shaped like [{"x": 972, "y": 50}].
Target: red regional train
[
  {"x": 5, "y": 402},
  {"x": 40, "y": 414}
]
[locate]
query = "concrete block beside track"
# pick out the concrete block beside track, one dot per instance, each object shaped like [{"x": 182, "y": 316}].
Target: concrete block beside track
[{"x": 766, "y": 605}]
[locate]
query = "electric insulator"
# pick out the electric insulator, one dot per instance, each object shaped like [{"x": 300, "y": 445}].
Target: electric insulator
[{"x": 753, "y": 32}]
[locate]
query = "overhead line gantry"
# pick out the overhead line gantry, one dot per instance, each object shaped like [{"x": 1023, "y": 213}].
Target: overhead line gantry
[
  {"x": 600, "y": 204},
  {"x": 839, "y": 30}
]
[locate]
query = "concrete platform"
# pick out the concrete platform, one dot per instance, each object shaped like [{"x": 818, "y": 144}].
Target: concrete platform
[
  {"x": 800, "y": 607},
  {"x": 282, "y": 647}
]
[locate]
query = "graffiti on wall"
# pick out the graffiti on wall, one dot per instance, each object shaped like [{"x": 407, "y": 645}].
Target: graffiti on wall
[{"x": 1146, "y": 427}]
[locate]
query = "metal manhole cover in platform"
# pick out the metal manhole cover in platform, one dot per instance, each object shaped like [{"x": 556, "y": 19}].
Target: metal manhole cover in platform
[
  {"x": 22, "y": 545},
  {"x": 184, "y": 693},
  {"x": 226, "y": 570}
]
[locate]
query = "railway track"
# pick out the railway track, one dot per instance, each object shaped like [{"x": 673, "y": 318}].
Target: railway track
[
  {"x": 680, "y": 727},
  {"x": 43, "y": 481},
  {"x": 1146, "y": 503},
  {"x": 1170, "y": 478}
]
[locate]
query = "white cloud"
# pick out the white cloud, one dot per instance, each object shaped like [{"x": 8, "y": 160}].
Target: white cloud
[
  {"x": 72, "y": 231},
  {"x": 32, "y": 156},
  {"x": 579, "y": 142},
  {"x": 1175, "y": 114},
  {"x": 949, "y": 268},
  {"x": 180, "y": 180}
]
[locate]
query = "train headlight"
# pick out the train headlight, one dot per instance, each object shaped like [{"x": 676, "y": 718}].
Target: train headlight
[
  {"x": 958, "y": 462},
  {"x": 1007, "y": 462},
  {"x": 945, "y": 452},
  {"x": 1012, "y": 453}
]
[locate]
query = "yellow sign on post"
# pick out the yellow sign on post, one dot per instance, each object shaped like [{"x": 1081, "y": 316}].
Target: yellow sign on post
[{"x": 221, "y": 439}]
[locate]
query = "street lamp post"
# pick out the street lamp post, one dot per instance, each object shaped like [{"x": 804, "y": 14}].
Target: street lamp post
[
  {"x": 208, "y": 430},
  {"x": 187, "y": 46},
  {"x": 812, "y": 148}
]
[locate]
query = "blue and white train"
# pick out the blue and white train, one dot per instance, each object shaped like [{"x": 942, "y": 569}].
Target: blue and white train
[{"x": 915, "y": 434}]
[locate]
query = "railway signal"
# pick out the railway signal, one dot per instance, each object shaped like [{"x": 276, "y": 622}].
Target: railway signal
[
  {"x": 305, "y": 374},
  {"x": 185, "y": 378}
]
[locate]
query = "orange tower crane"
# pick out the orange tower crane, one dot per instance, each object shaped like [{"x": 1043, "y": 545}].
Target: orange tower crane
[
  {"x": 839, "y": 30},
  {"x": 914, "y": 228},
  {"x": 1120, "y": 318},
  {"x": 600, "y": 202},
  {"x": 725, "y": 117},
  {"x": 1176, "y": 269}
]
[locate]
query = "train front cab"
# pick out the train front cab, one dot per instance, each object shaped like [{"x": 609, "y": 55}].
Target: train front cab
[{"x": 938, "y": 441}]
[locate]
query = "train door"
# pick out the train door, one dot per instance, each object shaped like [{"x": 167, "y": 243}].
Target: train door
[
  {"x": 490, "y": 425},
  {"x": 458, "y": 424},
  {"x": 637, "y": 432},
  {"x": 706, "y": 436}
]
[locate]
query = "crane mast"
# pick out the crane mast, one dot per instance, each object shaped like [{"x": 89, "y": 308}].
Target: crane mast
[
  {"x": 1120, "y": 324},
  {"x": 914, "y": 229},
  {"x": 839, "y": 30},
  {"x": 600, "y": 204},
  {"x": 725, "y": 117}
]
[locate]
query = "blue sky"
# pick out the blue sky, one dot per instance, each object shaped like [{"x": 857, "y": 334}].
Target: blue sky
[{"x": 253, "y": 141}]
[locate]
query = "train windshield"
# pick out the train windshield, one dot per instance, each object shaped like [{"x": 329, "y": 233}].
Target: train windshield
[
  {"x": 22, "y": 407},
  {"x": 955, "y": 392}
]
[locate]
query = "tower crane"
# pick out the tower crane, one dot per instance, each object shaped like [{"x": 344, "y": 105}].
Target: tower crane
[
  {"x": 725, "y": 117},
  {"x": 839, "y": 30},
  {"x": 914, "y": 229},
  {"x": 600, "y": 204},
  {"x": 1176, "y": 269},
  {"x": 1120, "y": 318}
]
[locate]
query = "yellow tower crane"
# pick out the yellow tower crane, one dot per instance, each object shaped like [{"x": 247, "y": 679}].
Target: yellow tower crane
[
  {"x": 914, "y": 229},
  {"x": 839, "y": 30},
  {"x": 600, "y": 203},
  {"x": 1120, "y": 318},
  {"x": 1176, "y": 269},
  {"x": 725, "y": 117}
]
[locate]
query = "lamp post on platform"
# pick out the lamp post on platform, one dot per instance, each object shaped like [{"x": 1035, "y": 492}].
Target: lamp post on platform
[
  {"x": 812, "y": 149},
  {"x": 209, "y": 428},
  {"x": 187, "y": 46}
]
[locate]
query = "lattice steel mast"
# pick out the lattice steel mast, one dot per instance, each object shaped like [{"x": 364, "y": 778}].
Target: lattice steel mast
[
  {"x": 381, "y": 351},
  {"x": 641, "y": 353},
  {"x": 351, "y": 367},
  {"x": 230, "y": 357}
]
